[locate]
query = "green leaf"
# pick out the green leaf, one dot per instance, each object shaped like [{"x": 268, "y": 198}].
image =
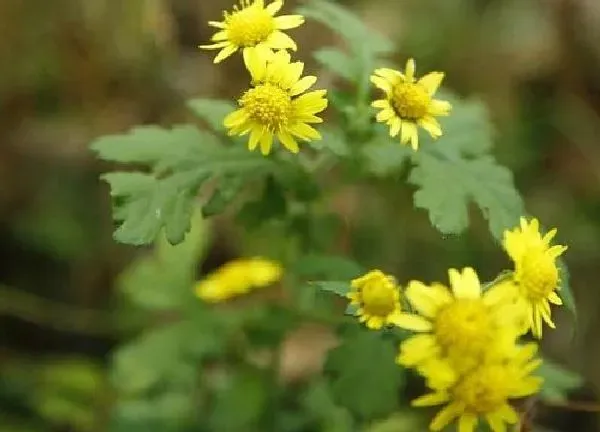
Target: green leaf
[
  {"x": 272, "y": 204},
  {"x": 340, "y": 288},
  {"x": 146, "y": 203},
  {"x": 163, "y": 280},
  {"x": 447, "y": 186},
  {"x": 365, "y": 378},
  {"x": 319, "y": 402},
  {"x": 212, "y": 111},
  {"x": 240, "y": 403},
  {"x": 142, "y": 144},
  {"x": 333, "y": 140},
  {"x": 558, "y": 381},
  {"x": 338, "y": 62}
]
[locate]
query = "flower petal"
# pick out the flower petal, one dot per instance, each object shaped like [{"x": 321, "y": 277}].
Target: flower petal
[
  {"x": 286, "y": 22},
  {"x": 303, "y": 84},
  {"x": 224, "y": 53},
  {"x": 255, "y": 136},
  {"x": 439, "y": 107},
  {"x": 431, "y": 399},
  {"x": 288, "y": 141},
  {"x": 409, "y": 71},
  {"x": 274, "y": 7},
  {"x": 431, "y": 125},
  {"x": 279, "y": 40},
  {"x": 466, "y": 284},
  {"x": 431, "y": 82},
  {"x": 467, "y": 423},
  {"x": 445, "y": 416},
  {"x": 266, "y": 142},
  {"x": 413, "y": 322}
]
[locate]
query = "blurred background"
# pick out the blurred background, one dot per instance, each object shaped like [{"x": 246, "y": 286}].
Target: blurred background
[{"x": 72, "y": 70}]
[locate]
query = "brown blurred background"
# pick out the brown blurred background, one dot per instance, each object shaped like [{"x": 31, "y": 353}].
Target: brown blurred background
[{"x": 71, "y": 70}]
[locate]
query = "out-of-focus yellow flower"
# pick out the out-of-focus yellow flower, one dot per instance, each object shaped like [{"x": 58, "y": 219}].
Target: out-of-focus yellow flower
[
  {"x": 238, "y": 277},
  {"x": 458, "y": 328},
  {"x": 276, "y": 104},
  {"x": 484, "y": 392},
  {"x": 409, "y": 103},
  {"x": 536, "y": 274},
  {"x": 377, "y": 298},
  {"x": 253, "y": 25}
]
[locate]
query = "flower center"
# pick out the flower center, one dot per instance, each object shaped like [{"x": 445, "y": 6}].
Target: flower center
[
  {"x": 484, "y": 389},
  {"x": 378, "y": 299},
  {"x": 464, "y": 326},
  {"x": 268, "y": 105},
  {"x": 249, "y": 26},
  {"x": 410, "y": 100},
  {"x": 537, "y": 275}
]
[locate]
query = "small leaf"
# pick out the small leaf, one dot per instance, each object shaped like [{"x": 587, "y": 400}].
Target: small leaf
[
  {"x": 365, "y": 378},
  {"x": 447, "y": 186},
  {"x": 340, "y": 288},
  {"x": 213, "y": 111},
  {"x": 558, "y": 381},
  {"x": 338, "y": 62}
]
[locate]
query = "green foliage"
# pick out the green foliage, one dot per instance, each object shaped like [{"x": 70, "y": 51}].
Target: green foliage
[
  {"x": 365, "y": 378},
  {"x": 181, "y": 160},
  {"x": 558, "y": 381},
  {"x": 212, "y": 111}
]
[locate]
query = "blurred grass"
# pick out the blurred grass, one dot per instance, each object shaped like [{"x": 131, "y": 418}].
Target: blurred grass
[{"x": 75, "y": 69}]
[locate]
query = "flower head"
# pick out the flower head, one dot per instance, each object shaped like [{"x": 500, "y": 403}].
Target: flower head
[
  {"x": 458, "y": 328},
  {"x": 238, "y": 277},
  {"x": 276, "y": 103},
  {"x": 377, "y": 297},
  {"x": 253, "y": 25},
  {"x": 409, "y": 103},
  {"x": 485, "y": 391},
  {"x": 536, "y": 274}
]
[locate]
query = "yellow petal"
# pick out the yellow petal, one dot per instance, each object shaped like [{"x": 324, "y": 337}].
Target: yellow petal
[
  {"x": 554, "y": 299},
  {"x": 217, "y": 45},
  {"x": 508, "y": 413},
  {"x": 381, "y": 83},
  {"x": 496, "y": 422},
  {"x": 416, "y": 349},
  {"x": 225, "y": 52},
  {"x": 217, "y": 24},
  {"x": 274, "y": 7},
  {"x": 467, "y": 423},
  {"x": 409, "y": 71},
  {"x": 302, "y": 85},
  {"x": 431, "y": 82},
  {"x": 255, "y": 135},
  {"x": 288, "y": 141},
  {"x": 384, "y": 115},
  {"x": 256, "y": 63},
  {"x": 465, "y": 284},
  {"x": 431, "y": 125},
  {"x": 219, "y": 36},
  {"x": 422, "y": 299},
  {"x": 266, "y": 142},
  {"x": 395, "y": 125},
  {"x": 439, "y": 108},
  {"x": 286, "y": 22},
  {"x": 235, "y": 118},
  {"x": 445, "y": 416},
  {"x": 431, "y": 399},
  {"x": 279, "y": 40},
  {"x": 381, "y": 103},
  {"x": 413, "y": 322},
  {"x": 305, "y": 132},
  {"x": 408, "y": 132}
]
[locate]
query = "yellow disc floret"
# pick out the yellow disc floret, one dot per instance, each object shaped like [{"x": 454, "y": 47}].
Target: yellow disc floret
[
  {"x": 249, "y": 26},
  {"x": 410, "y": 101},
  {"x": 269, "y": 105},
  {"x": 537, "y": 274}
]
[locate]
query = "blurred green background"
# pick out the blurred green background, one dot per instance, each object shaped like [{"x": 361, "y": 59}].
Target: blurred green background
[{"x": 71, "y": 70}]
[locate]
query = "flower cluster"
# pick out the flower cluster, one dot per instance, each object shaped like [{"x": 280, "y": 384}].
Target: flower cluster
[
  {"x": 277, "y": 104},
  {"x": 465, "y": 340}
]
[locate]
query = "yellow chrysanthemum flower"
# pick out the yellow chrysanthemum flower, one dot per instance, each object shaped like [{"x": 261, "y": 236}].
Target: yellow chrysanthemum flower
[
  {"x": 536, "y": 274},
  {"x": 409, "y": 103},
  {"x": 485, "y": 392},
  {"x": 275, "y": 105},
  {"x": 377, "y": 298},
  {"x": 238, "y": 277},
  {"x": 253, "y": 25},
  {"x": 459, "y": 328}
]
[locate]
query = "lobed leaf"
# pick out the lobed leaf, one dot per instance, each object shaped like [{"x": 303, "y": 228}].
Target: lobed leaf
[{"x": 212, "y": 111}]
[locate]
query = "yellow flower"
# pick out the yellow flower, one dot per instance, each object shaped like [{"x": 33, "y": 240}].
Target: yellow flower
[
  {"x": 275, "y": 105},
  {"x": 238, "y": 277},
  {"x": 409, "y": 103},
  {"x": 377, "y": 297},
  {"x": 485, "y": 391},
  {"x": 250, "y": 25},
  {"x": 459, "y": 328},
  {"x": 536, "y": 275}
]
